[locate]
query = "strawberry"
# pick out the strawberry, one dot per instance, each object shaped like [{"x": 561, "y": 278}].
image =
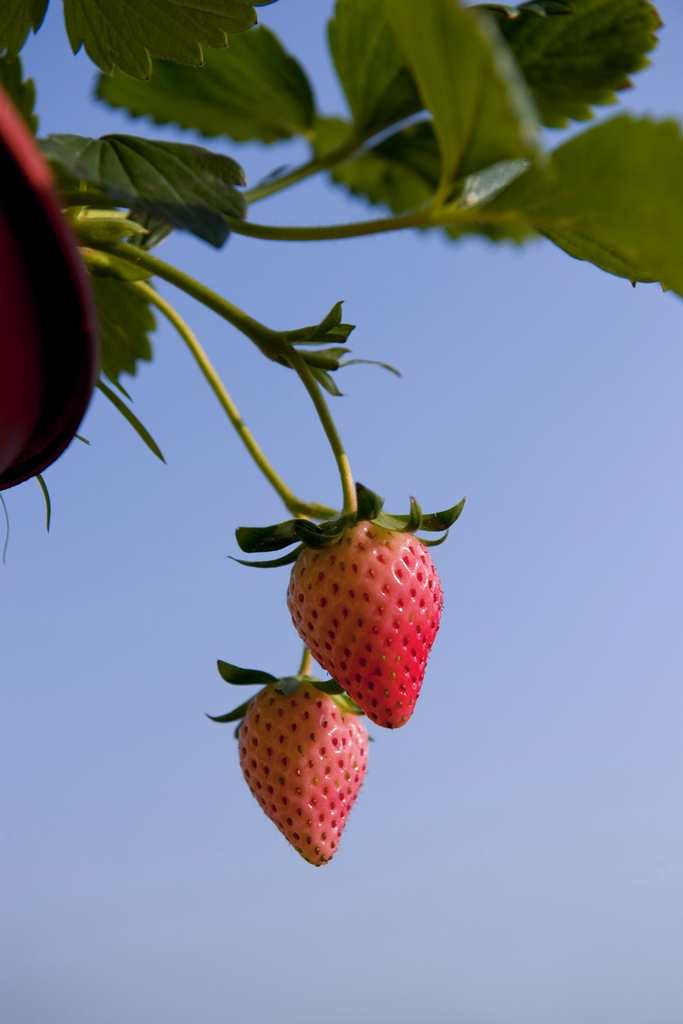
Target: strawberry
[
  {"x": 304, "y": 760},
  {"x": 368, "y": 609}
]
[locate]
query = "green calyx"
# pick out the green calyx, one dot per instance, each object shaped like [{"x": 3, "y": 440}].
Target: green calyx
[
  {"x": 306, "y": 534},
  {"x": 286, "y": 685}
]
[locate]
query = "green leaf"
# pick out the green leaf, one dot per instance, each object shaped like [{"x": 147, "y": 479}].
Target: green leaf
[
  {"x": 369, "y": 503},
  {"x": 132, "y": 419},
  {"x": 467, "y": 79},
  {"x": 257, "y": 540},
  {"x": 188, "y": 186},
  {"x": 288, "y": 685},
  {"x": 125, "y": 321},
  {"x": 274, "y": 563},
  {"x": 437, "y": 521},
  {"x": 328, "y": 686},
  {"x": 253, "y": 90},
  {"x": 346, "y": 704},
  {"x": 576, "y": 62},
  {"x": 323, "y": 378},
  {"x": 233, "y": 716},
  {"x": 118, "y": 32},
  {"x": 611, "y": 196},
  {"x": 371, "y": 67},
  {"x": 21, "y": 91},
  {"x": 17, "y": 18},
  {"x": 243, "y": 676},
  {"x": 402, "y": 172}
]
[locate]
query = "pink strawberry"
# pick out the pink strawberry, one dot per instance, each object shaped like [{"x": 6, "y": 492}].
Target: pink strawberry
[
  {"x": 304, "y": 760},
  {"x": 368, "y": 609}
]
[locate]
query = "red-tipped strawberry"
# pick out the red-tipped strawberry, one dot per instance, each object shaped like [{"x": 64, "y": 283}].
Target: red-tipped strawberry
[
  {"x": 368, "y": 609},
  {"x": 365, "y": 598},
  {"x": 304, "y": 760}
]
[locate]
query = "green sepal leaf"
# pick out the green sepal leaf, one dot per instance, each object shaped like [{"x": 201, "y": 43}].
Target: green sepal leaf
[
  {"x": 21, "y": 91},
  {"x": 346, "y": 704},
  {"x": 433, "y": 523},
  {"x": 323, "y": 535},
  {"x": 259, "y": 539},
  {"x": 17, "y": 18},
  {"x": 287, "y": 559},
  {"x": 288, "y": 685},
  {"x": 243, "y": 676},
  {"x": 328, "y": 686},
  {"x": 372, "y": 69},
  {"x": 401, "y": 524},
  {"x": 434, "y": 543},
  {"x": 369, "y": 503},
  {"x": 233, "y": 716},
  {"x": 125, "y": 322},
  {"x": 135, "y": 423},
  {"x": 252, "y": 90},
  {"x": 328, "y": 323},
  {"x": 482, "y": 109},
  {"x": 188, "y": 186},
  {"x": 577, "y": 62},
  {"x": 323, "y": 378},
  {"x": 115, "y": 32},
  {"x": 370, "y": 362},
  {"x": 325, "y": 359},
  {"x": 437, "y": 521}
]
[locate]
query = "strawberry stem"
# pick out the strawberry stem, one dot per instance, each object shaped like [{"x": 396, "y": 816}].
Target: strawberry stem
[
  {"x": 306, "y": 663},
  {"x": 302, "y": 368},
  {"x": 294, "y": 504}
]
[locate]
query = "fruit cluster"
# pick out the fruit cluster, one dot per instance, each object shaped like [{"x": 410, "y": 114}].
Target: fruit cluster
[{"x": 366, "y": 600}]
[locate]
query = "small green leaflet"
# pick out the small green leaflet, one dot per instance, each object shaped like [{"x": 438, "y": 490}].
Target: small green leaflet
[
  {"x": 243, "y": 676},
  {"x": 17, "y": 18},
  {"x": 468, "y": 81},
  {"x": 117, "y": 32},
  {"x": 611, "y": 196},
  {"x": 21, "y": 91},
  {"x": 125, "y": 321},
  {"x": 135, "y": 423},
  {"x": 253, "y": 90},
  {"x": 371, "y": 67},
  {"x": 188, "y": 186},
  {"x": 579, "y": 60}
]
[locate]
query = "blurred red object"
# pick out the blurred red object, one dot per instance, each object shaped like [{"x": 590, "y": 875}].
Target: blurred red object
[{"x": 48, "y": 338}]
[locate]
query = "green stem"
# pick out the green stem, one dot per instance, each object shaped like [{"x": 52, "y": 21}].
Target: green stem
[
  {"x": 417, "y": 219},
  {"x": 314, "y": 166},
  {"x": 294, "y": 504},
  {"x": 306, "y": 663},
  {"x": 310, "y": 383},
  {"x": 268, "y": 341}
]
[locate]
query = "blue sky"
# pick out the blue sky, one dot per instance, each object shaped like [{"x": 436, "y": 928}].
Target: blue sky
[{"x": 516, "y": 855}]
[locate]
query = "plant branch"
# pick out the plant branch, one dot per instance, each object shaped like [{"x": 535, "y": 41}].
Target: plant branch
[
  {"x": 303, "y": 370},
  {"x": 294, "y": 504},
  {"x": 313, "y": 166},
  {"x": 417, "y": 219},
  {"x": 268, "y": 341}
]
